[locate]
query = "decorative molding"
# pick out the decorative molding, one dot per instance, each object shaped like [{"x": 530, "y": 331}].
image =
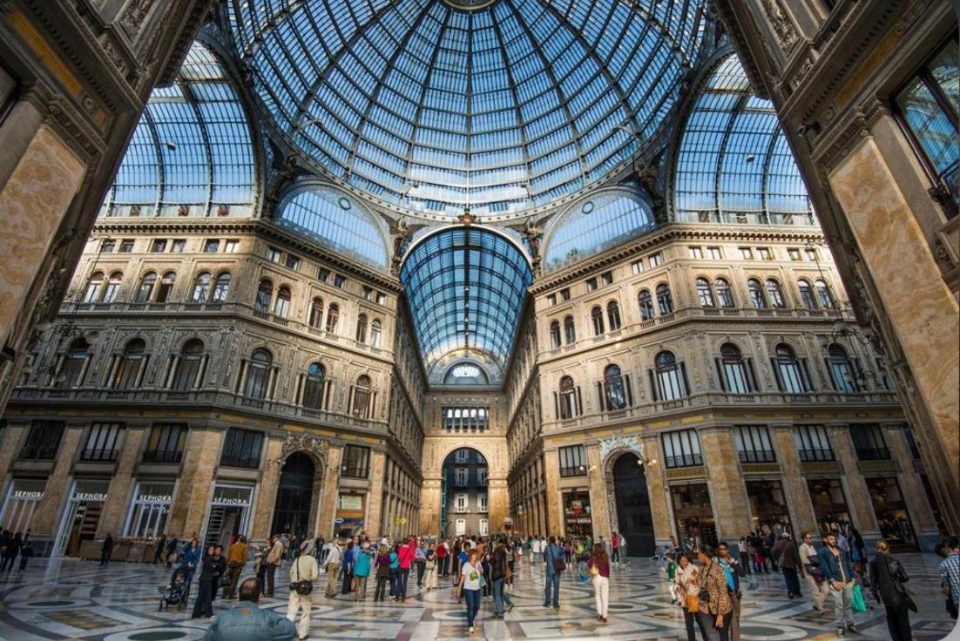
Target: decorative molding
[
  {"x": 305, "y": 443},
  {"x": 697, "y": 472},
  {"x": 782, "y": 25},
  {"x": 630, "y": 443}
]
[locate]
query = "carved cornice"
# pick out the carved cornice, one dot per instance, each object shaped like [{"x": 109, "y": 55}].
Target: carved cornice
[
  {"x": 201, "y": 11},
  {"x": 740, "y": 39}
]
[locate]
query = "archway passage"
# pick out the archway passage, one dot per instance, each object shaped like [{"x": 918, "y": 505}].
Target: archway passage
[
  {"x": 464, "y": 504},
  {"x": 292, "y": 509},
  {"x": 635, "y": 520}
]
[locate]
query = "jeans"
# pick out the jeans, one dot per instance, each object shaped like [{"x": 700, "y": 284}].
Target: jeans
[
  {"x": 552, "y": 587},
  {"x": 402, "y": 576},
  {"x": 271, "y": 578},
  {"x": 234, "y": 574},
  {"x": 361, "y": 590},
  {"x": 601, "y": 592},
  {"x": 843, "y": 605},
  {"x": 615, "y": 557},
  {"x": 745, "y": 562},
  {"x": 689, "y": 618},
  {"x": 473, "y": 605},
  {"x": 421, "y": 565},
  {"x": 710, "y": 631},
  {"x": 500, "y": 598},
  {"x": 393, "y": 582},
  {"x": 792, "y": 579}
]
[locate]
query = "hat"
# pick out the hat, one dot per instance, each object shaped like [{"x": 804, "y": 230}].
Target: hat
[{"x": 305, "y": 546}]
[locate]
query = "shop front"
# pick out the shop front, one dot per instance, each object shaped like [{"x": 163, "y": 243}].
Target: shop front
[
  {"x": 829, "y": 503},
  {"x": 577, "y": 520},
  {"x": 148, "y": 513},
  {"x": 349, "y": 517},
  {"x": 891, "y": 511},
  {"x": 768, "y": 505},
  {"x": 81, "y": 515},
  {"x": 693, "y": 514},
  {"x": 21, "y": 504},
  {"x": 229, "y": 513}
]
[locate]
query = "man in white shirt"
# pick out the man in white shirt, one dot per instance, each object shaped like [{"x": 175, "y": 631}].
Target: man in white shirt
[
  {"x": 304, "y": 569},
  {"x": 810, "y": 571},
  {"x": 535, "y": 547},
  {"x": 332, "y": 568}
]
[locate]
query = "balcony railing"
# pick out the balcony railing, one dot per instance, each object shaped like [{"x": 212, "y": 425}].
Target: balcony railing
[
  {"x": 757, "y": 456},
  {"x": 238, "y": 460},
  {"x": 162, "y": 456},
  {"x": 356, "y": 472},
  {"x": 99, "y": 455},
  {"x": 811, "y": 456},
  {"x": 873, "y": 453},
  {"x": 685, "y": 460},
  {"x": 38, "y": 452}
]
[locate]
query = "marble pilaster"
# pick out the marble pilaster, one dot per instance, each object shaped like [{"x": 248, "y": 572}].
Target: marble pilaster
[
  {"x": 657, "y": 489},
  {"x": 267, "y": 493},
  {"x": 58, "y": 482},
  {"x": 16, "y": 432},
  {"x": 802, "y": 515},
  {"x": 374, "y": 503},
  {"x": 553, "y": 519},
  {"x": 601, "y": 493},
  {"x": 728, "y": 494},
  {"x": 921, "y": 515},
  {"x": 854, "y": 486},
  {"x": 122, "y": 483},
  {"x": 331, "y": 488},
  {"x": 191, "y": 500}
]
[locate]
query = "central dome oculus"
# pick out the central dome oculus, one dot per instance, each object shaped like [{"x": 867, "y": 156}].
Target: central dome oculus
[{"x": 439, "y": 105}]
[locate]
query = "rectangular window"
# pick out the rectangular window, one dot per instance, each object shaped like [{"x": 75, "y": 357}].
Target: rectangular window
[
  {"x": 166, "y": 443},
  {"x": 179, "y": 246},
  {"x": 274, "y": 255},
  {"x": 637, "y": 266},
  {"x": 482, "y": 476},
  {"x": 465, "y": 418},
  {"x": 813, "y": 444},
  {"x": 869, "y": 442},
  {"x": 794, "y": 254},
  {"x": 101, "y": 442},
  {"x": 356, "y": 462},
  {"x": 461, "y": 456},
  {"x": 126, "y": 246},
  {"x": 811, "y": 255},
  {"x": 551, "y": 300},
  {"x": 482, "y": 503},
  {"x": 714, "y": 253},
  {"x": 591, "y": 284},
  {"x": 606, "y": 278},
  {"x": 381, "y": 298},
  {"x": 462, "y": 503},
  {"x": 746, "y": 253},
  {"x": 696, "y": 252},
  {"x": 484, "y": 527},
  {"x": 573, "y": 461},
  {"x": 231, "y": 246},
  {"x": 681, "y": 449},
  {"x": 292, "y": 262},
  {"x": 108, "y": 246},
  {"x": 753, "y": 444},
  {"x": 242, "y": 448},
  {"x": 656, "y": 259},
  {"x": 367, "y": 293},
  {"x": 43, "y": 441},
  {"x": 339, "y": 281},
  {"x": 462, "y": 475},
  {"x": 565, "y": 294},
  {"x": 764, "y": 253},
  {"x": 323, "y": 274},
  {"x": 158, "y": 245},
  {"x": 211, "y": 246}
]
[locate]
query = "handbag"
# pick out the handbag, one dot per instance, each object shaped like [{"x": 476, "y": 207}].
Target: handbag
[
  {"x": 693, "y": 603},
  {"x": 303, "y": 588},
  {"x": 856, "y": 602},
  {"x": 559, "y": 565}
]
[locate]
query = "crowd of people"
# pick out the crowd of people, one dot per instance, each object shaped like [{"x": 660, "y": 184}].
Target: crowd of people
[{"x": 13, "y": 545}]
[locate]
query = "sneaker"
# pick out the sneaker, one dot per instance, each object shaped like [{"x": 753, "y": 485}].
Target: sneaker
[
  {"x": 852, "y": 629},
  {"x": 472, "y": 631},
  {"x": 509, "y": 607},
  {"x": 840, "y": 632}
]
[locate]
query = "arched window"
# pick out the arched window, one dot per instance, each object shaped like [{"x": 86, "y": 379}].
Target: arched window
[
  {"x": 704, "y": 294},
  {"x": 616, "y": 396},
  {"x": 362, "y": 397},
  {"x": 186, "y": 375},
  {"x": 362, "y": 328},
  {"x": 734, "y": 375},
  {"x": 333, "y": 317},
  {"x": 568, "y": 401},
  {"x": 596, "y": 316},
  {"x": 113, "y": 287},
  {"x": 823, "y": 293},
  {"x": 74, "y": 365},
  {"x": 313, "y": 387},
  {"x": 376, "y": 332},
  {"x": 664, "y": 299},
  {"x": 201, "y": 288},
  {"x": 91, "y": 294},
  {"x": 281, "y": 306},
  {"x": 166, "y": 287},
  {"x": 221, "y": 288},
  {"x": 775, "y": 294},
  {"x": 756, "y": 294},
  {"x": 724, "y": 296},
  {"x": 316, "y": 313},
  {"x": 555, "y": 334},
  {"x": 645, "y": 301},
  {"x": 613, "y": 315},
  {"x": 670, "y": 384},
  {"x": 129, "y": 367},
  {"x": 264, "y": 295},
  {"x": 569, "y": 330},
  {"x": 790, "y": 377},
  {"x": 807, "y": 299},
  {"x": 842, "y": 370},
  {"x": 258, "y": 375},
  {"x": 147, "y": 285}
]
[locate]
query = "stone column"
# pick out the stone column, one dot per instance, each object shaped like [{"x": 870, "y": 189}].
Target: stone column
[
  {"x": 15, "y": 434},
  {"x": 267, "y": 492},
  {"x": 657, "y": 489},
  {"x": 553, "y": 501},
  {"x": 33, "y": 200},
  {"x": 802, "y": 515},
  {"x": 331, "y": 491},
  {"x": 191, "y": 499},
  {"x": 374, "y": 503},
  {"x": 728, "y": 495},
  {"x": 921, "y": 515},
  {"x": 47, "y": 519},
  {"x": 601, "y": 494},
  {"x": 854, "y": 487},
  {"x": 498, "y": 503},
  {"x": 119, "y": 494}
]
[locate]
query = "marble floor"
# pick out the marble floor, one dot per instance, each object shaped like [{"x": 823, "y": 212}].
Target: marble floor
[{"x": 69, "y": 599}]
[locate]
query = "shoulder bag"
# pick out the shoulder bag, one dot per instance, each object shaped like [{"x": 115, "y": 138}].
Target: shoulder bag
[{"x": 303, "y": 588}]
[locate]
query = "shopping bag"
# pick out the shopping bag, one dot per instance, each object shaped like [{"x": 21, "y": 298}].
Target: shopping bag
[{"x": 857, "y": 602}]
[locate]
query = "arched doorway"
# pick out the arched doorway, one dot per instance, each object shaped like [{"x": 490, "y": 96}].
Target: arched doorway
[
  {"x": 294, "y": 496},
  {"x": 464, "y": 504},
  {"x": 635, "y": 521}
]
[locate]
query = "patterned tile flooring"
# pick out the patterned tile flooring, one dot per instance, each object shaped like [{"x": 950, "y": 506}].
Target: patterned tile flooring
[{"x": 68, "y": 599}]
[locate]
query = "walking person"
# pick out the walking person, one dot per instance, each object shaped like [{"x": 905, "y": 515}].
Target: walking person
[
  {"x": 220, "y": 569},
  {"x": 192, "y": 558},
  {"x": 274, "y": 559},
  {"x": 361, "y": 570},
  {"x": 949, "y": 572},
  {"x": 203, "y": 606},
  {"x": 346, "y": 567},
  {"x": 332, "y": 567},
  {"x": 734, "y": 572},
  {"x": 469, "y": 588},
  {"x": 615, "y": 549},
  {"x": 106, "y": 550},
  {"x": 554, "y": 567},
  {"x": 887, "y": 577},
  {"x": 432, "y": 570},
  {"x": 599, "y": 568},
  {"x": 788, "y": 560},
  {"x": 420, "y": 560},
  {"x": 236, "y": 561},
  {"x": 302, "y": 575},
  {"x": 688, "y": 585},
  {"x": 715, "y": 609},
  {"x": 383, "y": 574},
  {"x": 405, "y": 557},
  {"x": 499, "y": 568},
  {"x": 837, "y": 571},
  {"x": 810, "y": 571}
]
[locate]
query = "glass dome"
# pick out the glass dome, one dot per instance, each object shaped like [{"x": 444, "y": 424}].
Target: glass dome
[{"x": 438, "y": 105}]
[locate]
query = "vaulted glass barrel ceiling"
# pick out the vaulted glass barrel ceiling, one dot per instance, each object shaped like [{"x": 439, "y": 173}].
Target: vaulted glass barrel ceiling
[{"x": 502, "y": 107}]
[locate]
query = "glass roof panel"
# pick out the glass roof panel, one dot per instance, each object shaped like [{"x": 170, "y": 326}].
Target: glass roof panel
[
  {"x": 466, "y": 287},
  {"x": 439, "y": 96},
  {"x": 734, "y": 163},
  {"x": 192, "y": 152}
]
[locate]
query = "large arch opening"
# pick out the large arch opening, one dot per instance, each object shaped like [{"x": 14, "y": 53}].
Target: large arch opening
[
  {"x": 634, "y": 519},
  {"x": 464, "y": 502},
  {"x": 292, "y": 509}
]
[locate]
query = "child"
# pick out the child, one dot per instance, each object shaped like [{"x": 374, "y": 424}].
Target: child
[{"x": 671, "y": 576}]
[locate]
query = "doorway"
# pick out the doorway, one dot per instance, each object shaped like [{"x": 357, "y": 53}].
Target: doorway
[
  {"x": 635, "y": 520},
  {"x": 292, "y": 509},
  {"x": 463, "y": 493}
]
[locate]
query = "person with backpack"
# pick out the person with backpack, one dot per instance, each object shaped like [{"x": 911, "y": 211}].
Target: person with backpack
[
  {"x": 887, "y": 577},
  {"x": 554, "y": 567},
  {"x": 499, "y": 566}
]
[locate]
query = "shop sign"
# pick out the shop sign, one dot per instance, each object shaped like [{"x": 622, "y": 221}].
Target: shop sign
[
  {"x": 26, "y": 495},
  {"x": 95, "y": 497},
  {"x": 155, "y": 498}
]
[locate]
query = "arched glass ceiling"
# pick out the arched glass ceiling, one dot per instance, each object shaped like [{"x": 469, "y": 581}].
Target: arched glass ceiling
[
  {"x": 335, "y": 220},
  {"x": 192, "y": 152},
  {"x": 590, "y": 227},
  {"x": 500, "y": 108},
  {"x": 466, "y": 287},
  {"x": 734, "y": 163}
]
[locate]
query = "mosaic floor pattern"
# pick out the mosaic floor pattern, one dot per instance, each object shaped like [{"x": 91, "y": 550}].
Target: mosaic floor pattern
[{"x": 68, "y": 599}]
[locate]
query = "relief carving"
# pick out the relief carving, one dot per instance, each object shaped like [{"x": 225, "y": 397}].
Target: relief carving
[{"x": 780, "y": 21}]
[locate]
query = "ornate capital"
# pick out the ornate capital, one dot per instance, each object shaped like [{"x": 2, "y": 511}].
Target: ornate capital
[
  {"x": 305, "y": 443},
  {"x": 631, "y": 443}
]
